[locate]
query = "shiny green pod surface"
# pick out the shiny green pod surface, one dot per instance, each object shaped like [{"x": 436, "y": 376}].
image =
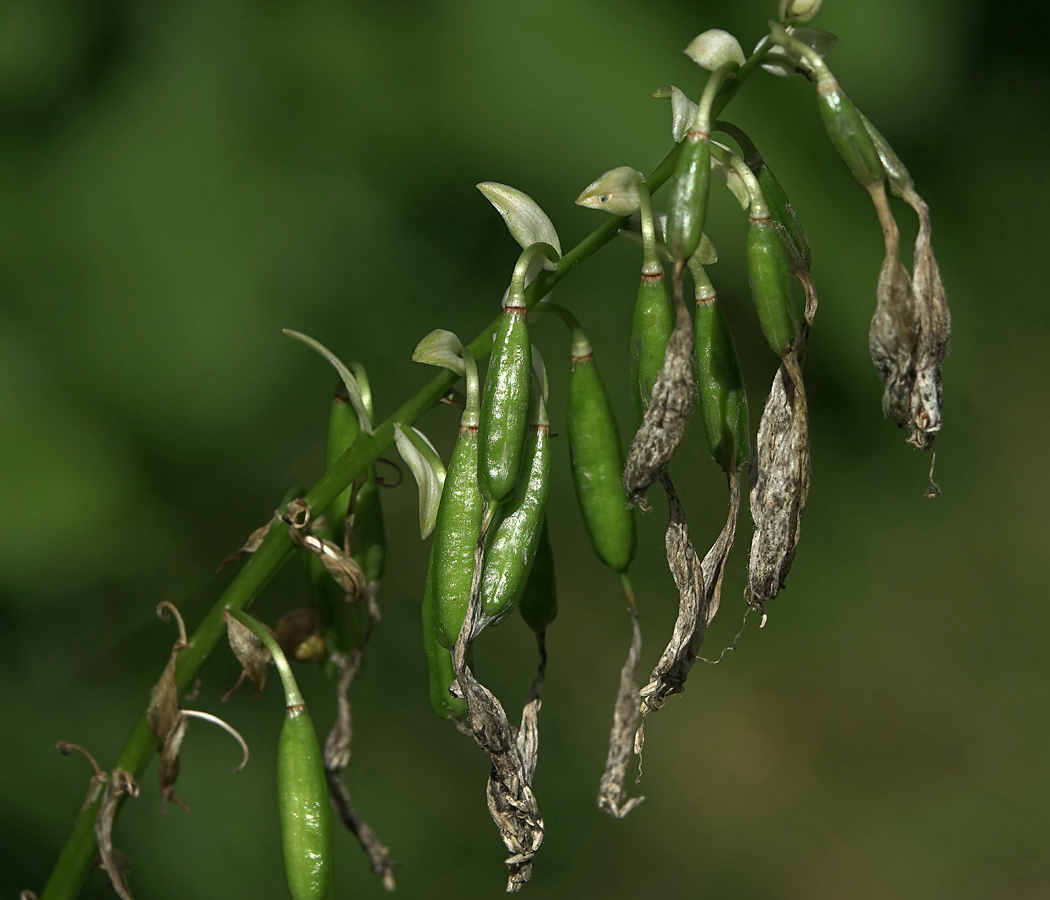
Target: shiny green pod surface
[
  {"x": 691, "y": 185},
  {"x": 505, "y": 406},
  {"x": 651, "y": 327},
  {"x": 770, "y": 277},
  {"x": 723, "y": 403},
  {"x": 597, "y": 464},
  {"x": 847, "y": 133},
  {"x": 439, "y": 660},
  {"x": 455, "y": 537},
  {"x": 513, "y": 537}
]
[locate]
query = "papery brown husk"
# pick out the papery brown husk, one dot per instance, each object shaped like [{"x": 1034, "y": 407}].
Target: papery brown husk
[
  {"x": 668, "y": 412},
  {"x": 250, "y": 652},
  {"x": 166, "y": 720},
  {"x": 513, "y": 751},
  {"x": 612, "y": 794}
]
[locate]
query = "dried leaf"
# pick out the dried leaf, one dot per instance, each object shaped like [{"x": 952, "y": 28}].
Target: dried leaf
[
  {"x": 250, "y": 652},
  {"x": 120, "y": 783},
  {"x": 346, "y": 570},
  {"x": 27, "y": 895},
  {"x": 780, "y": 483},
  {"x": 337, "y": 758},
  {"x": 250, "y": 546},
  {"x": 892, "y": 339},
  {"x": 98, "y": 779},
  {"x": 612, "y": 795},
  {"x": 513, "y": 752},
  {"x": 934, "y": 323},
  {"x": 668, "y": 677},
  {"x": 669, "y": 409}
]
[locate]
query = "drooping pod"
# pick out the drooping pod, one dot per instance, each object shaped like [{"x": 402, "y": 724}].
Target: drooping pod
[
  {"x": 513, "y": 538},
  {"x": 769, "y": 272},
  {"x": 842, "y": 122},
  {"x": 622, "y": 191},
  {"x": 723, "y": 401},
  {"x": 458, "y": 523},
  {"x": 596, "y": 456},
  {"x": 504, "y": 409},
  {"x": 539, "y": 599},
  {"x": 439, "y": 658},
  {"x": 305, "y": 813}
]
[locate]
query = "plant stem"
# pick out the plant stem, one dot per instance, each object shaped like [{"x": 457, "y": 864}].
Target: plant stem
[{"x": 78, "y": 854}]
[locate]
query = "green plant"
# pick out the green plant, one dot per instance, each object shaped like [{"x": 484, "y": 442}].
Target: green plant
[{"x": 908, "y": 342}]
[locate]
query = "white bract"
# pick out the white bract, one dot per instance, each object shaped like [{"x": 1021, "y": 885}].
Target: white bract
[
  {"x": 615, "y": 192},
  {"x": 428, "y": 471},
  {"x": 440, "y": 348},
  {"x": 799, "y": 10},
  {"x": 352, "y": 388},
  {"x": 527, "y": 222},
  {"x": 683, "y": 110},
  {"x": 715, "y": 48}
]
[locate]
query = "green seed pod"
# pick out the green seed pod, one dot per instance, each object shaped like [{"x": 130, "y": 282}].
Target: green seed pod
[
  {"x": 458, "y": 523},
  {"x": 783, "y": 214},
  {"x": 770, "y": 278},
  {"x": 306, "y": 815},
  {"x": 688, "y": 208},
  {"x": 539, "y": 600},
  {"x": 651, "y": 327},
  {"x": 723, "y": 402},
  {"x": 512, "y": 539},
  {"x": 597, "y": 460},
  {"x": 343, "y": 429},
  {"x": 847, "y": 133},
  {"x": 439, "y": 659},
  {"x": 505, "y": 408}
]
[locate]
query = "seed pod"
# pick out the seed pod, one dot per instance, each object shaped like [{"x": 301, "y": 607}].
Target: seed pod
[
  {"x": 770, "y": 278},
  {"x": 439, "y": 659},
  {"x": 306, "y": 816},
  {"x": 458, "y": 523},
  {"x": 539, "y": 600},
  {"x": 512, "y": 539},
  {"x": 651, "y": 328},
  {"x": 505, "y": 407},
  {"x": 783, "y": 214},
  {"x": 723, "y": 402},
  {"x": 847, "y": 132},
  {"x": 692, "y": 181},
  {"x": 597, "y": 460}
]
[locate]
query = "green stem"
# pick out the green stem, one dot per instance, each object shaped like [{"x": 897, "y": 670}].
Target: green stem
[
  {"x": 78, "y": 854},
  {"x": 751, "y": 155},
  {"x": 516, "y": 294},
  {"x": 719, "y": 77},
  {"x": 759, "y": 210}
]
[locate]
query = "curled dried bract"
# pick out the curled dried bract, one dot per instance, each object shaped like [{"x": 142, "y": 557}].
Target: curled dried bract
[
  {"x": 250, "y": 652},
  {"x": 120, "y": 783}
]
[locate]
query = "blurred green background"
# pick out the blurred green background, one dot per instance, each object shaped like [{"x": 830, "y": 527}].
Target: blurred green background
[{"x": 179, "y": 181}]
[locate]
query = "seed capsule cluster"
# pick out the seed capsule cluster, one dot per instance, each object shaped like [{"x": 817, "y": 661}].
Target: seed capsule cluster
[{"x": 493, "y": 550}]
